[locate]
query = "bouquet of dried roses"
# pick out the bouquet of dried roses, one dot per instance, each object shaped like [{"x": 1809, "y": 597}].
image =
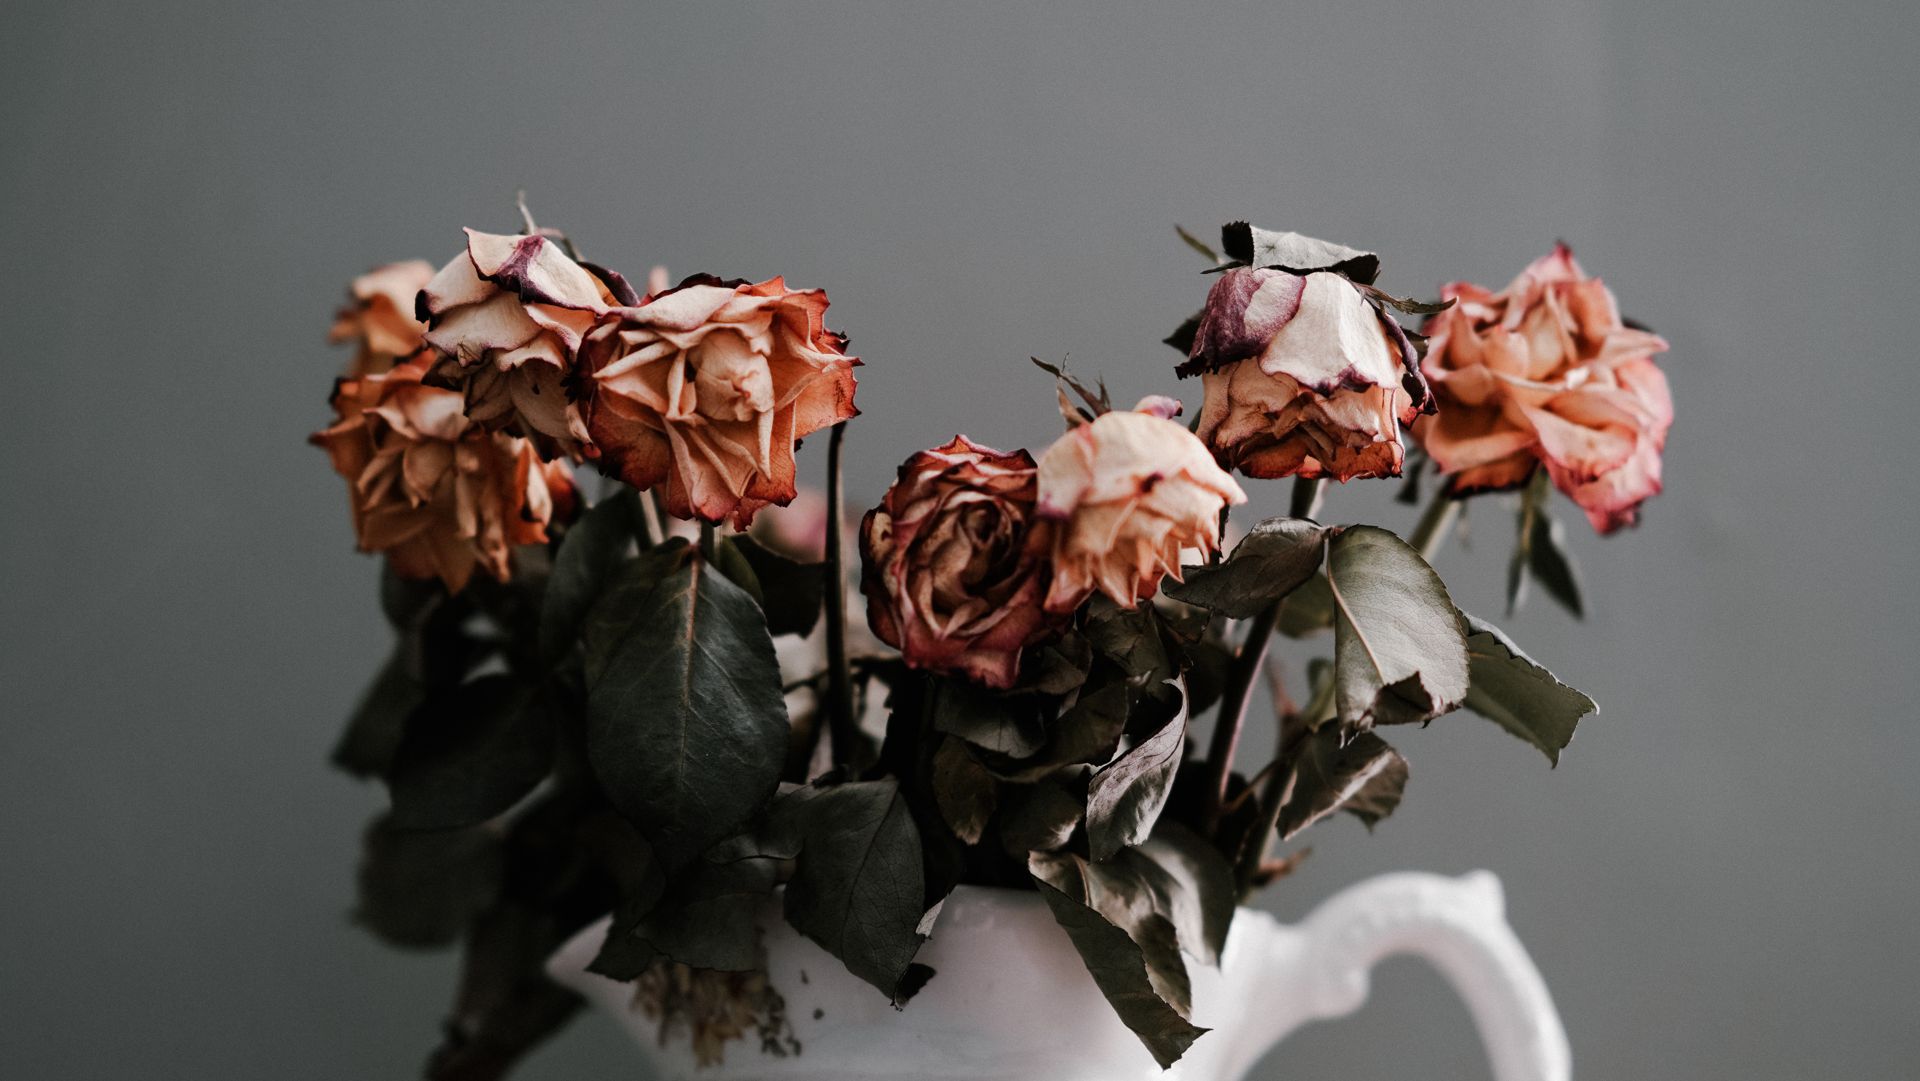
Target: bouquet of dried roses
[{"x": 654, "y": 705}]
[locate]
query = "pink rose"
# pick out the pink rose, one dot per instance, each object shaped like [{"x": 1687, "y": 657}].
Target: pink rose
[
  {"x": 954, "y": 562},
  {"x": 1547, "y": 372},
  {"x": 1302, "y": 377},
  {"x": 1127, "y": 492},
  {"x": 379, "y": 320},
  {"x": 706, "y": 387},
  {"x": 507, "y": 317},
  {"x": 435, "y": 492}
]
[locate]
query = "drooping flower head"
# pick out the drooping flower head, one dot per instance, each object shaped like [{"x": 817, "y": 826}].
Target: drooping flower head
[
  {"x": 378, "y": 318},
  {"x": 435, "y": 492},
  {"x": 1127, "y": 492},
  {"x": 507, "y": 316},
  {"x": 1302, "y": 377},
  {"x": 954, "y": 562},
  {"x": 1546, "y": 372},
  {"x": 706, "y": 387}
]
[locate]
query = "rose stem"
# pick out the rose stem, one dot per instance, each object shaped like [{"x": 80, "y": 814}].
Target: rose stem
[
  {"x": 650, "y": 519},
  {"x": 526, "y": 216},
  {"x": 706, "y": 541},
  {"x": 1240, "y": 676},
  {"x": 1434, "y": 526},
  {"x": 839, "y": 681},
  {"x": 1294, "y": 728}
]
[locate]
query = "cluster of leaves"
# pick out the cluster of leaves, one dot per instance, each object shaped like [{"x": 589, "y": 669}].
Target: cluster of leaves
[{"x": 607, "y": 732}]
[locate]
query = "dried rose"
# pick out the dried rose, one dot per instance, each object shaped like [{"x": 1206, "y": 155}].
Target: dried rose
[
  {"x": 435, "y": 492},
  {"x": 954, "y": 562},
  {"x": 507, "y": 316},
  {"x": 378, "y": 318},
  {"x": 1302, "y": 376},
  {"x": 706, "y": 387},
  {"x": 1128, "y": 491},
  {"x": 1547, "y": 372}
]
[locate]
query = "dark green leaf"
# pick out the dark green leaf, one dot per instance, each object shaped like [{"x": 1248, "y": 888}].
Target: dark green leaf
[
  {"x": 407, "y": 601},
  {"x": 709, "y": 916},
  {"x": 1552, "y": 564},
  {"x": 627, "y": 859},
  {"x": 373, "y": 734},
  {"x": 1308, "y": 610},
  {"x": 791, "y": 592},
  {"x": 1010, "y": 725},
  {"x": 1509, "y": 689},
  {"x": 858, "y": 888},
  {"x": 1039, "y": 818},
  {"x": 470, "y": 754},
  {"x": 621, "y": 603},
  {"x": 1125, "y": 797},
  {"x": 963, "y": 790},
  {"x": 1193, "y": 888},
  {"x": 1128, "y": 893},
  {"x": 1253, "y": 246},
  {"x": 686, "y": 725},
  {"x": 593, "y": 549},
  {"x": 1130, "y": 637},
  {"x": 422, "y": 890},
  {"x": 1400, "y": 651},
  {"x": 1123, "y": 969},
  {"x": 1275, "y": 558},
  {"x": 1182, "y": 337},
  {"x": 1058, "y": 666},
  {"x": 1364, "y": 776}
]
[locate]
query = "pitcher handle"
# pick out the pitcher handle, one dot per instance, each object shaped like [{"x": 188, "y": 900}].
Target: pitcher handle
[{"x": 1460, "y": 926}]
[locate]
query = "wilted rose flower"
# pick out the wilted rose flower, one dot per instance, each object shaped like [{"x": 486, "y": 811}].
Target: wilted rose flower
[
  {"x": 435, "y": 492},
  {"x": 1303, "y": 377},
  {"x": 378, "y": 318},
  {"x": 507, "y": 316},
  {"x": 1547, "y": 372},
  {"x": 954, "y": 562},
  {"x": 706, "y": 387},
  {"x": 1127, "y": 492}
]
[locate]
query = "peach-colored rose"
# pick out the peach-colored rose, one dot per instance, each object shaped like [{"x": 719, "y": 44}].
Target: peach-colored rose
[
  {"x": 1302, "y": 377},
  {"x": 378, "y": 319},
  {"x": 1128, "y": 491},
  {"x": 507, "y": 316},
  {"x": 1547, "y": 372},
  {"x": 435, "y": 492},
  {"x": 706, "y": 387},
  {"x": 954, "y": 562}
]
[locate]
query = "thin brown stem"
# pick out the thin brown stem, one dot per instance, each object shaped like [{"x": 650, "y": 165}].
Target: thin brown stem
[
  {"x": 1233, "y": 713},
  {"x": 839, "y": 703},
  {"x": 1307, "y": 493}
]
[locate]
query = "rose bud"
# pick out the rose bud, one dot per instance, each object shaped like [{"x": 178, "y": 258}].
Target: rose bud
[
  {"x": 706, "y": 387},
  {"x": 1128, "y": 491},
  {"x": 954, "y": 562},
  {"x": 1547, "y": 372},
  {"x": 434, "y": 491},
  {"x": 507, "y": 316},
  {"x": 379, "y": 320},
  {"x": 1302, "y": 376}
]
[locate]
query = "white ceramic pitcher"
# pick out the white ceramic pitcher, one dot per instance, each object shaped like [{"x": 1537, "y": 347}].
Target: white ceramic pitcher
[{"x": 1010, "y": 1000}]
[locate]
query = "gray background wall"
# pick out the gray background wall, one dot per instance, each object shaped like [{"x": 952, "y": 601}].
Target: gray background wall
[{"x": 1718, "y": 879}]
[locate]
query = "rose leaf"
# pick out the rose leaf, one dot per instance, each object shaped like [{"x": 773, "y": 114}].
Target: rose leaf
[
  {"x": 1277, "y": 557},
  {"x": 686, "y": 725},
  {"x": 1125, "y": 796},
  {"x": 1136, "y": 978},
  {"x": 471, "y": 754},
  {"x": 858, "y": 886},
  {"x": 420, "y": 889},
  {"x": 791, "y": 591},
  {"x": 1009, "y": 725},
  {"x": 1508, "y": 688},
  {"x": 1400, "y": 652},
  {"x": 1194, "y": 887},
  {"x": 588, "y": 556},
  {"x": 1364, "y": 776},
  {"x": 373, "y": 734},
  {"x": 963, "y": 790}
]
